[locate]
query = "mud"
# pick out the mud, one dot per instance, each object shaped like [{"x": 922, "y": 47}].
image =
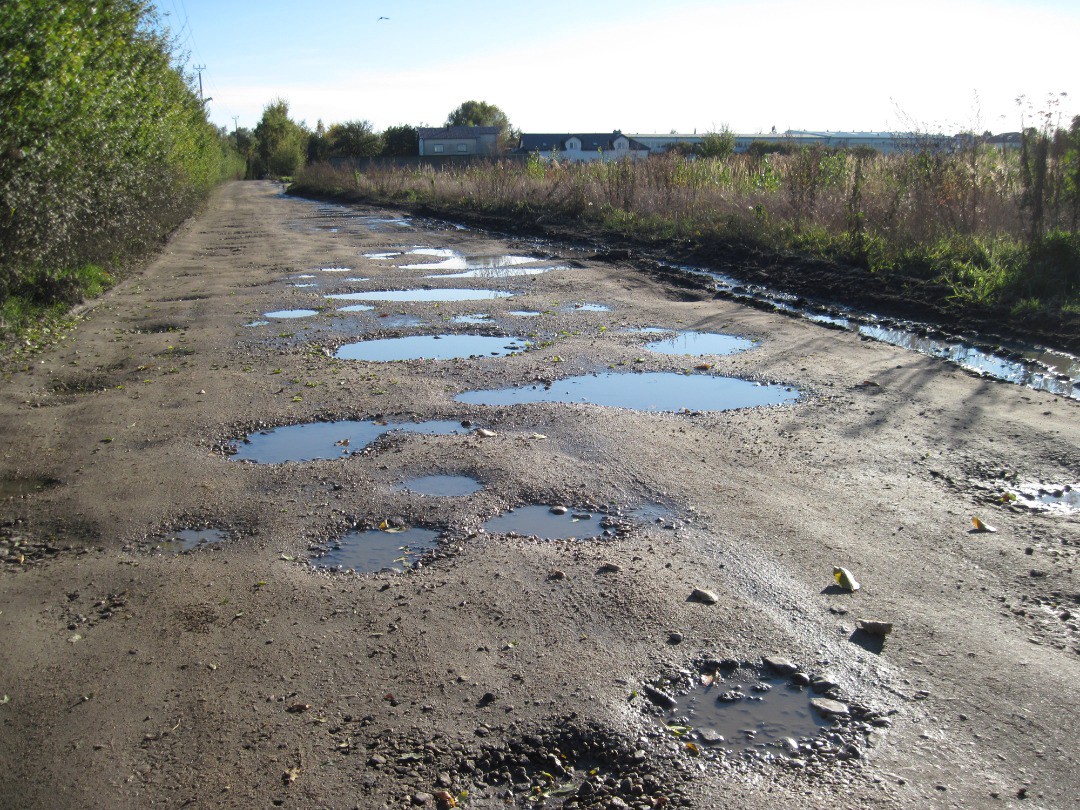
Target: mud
[{"x": 504, "y": 671}]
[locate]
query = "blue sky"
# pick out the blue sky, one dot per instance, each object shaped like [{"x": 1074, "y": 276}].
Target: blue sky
[{"x": 600, "y": 65}]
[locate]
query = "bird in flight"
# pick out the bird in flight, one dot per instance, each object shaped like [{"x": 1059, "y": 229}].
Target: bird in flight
[{"x": 382, "y": 18}]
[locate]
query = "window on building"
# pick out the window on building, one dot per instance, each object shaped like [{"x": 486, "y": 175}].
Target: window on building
[
  {"x": 439, "y": 148},
  {"x": 461, "y": 147}
]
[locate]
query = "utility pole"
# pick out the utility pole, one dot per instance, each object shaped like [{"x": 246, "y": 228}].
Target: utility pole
[
  {"x": 199, "y": 69},
  {"x": 235, "y": 118}
]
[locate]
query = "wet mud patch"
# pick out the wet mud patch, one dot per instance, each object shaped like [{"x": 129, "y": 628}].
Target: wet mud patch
[
  {"x": 553, "y": 523},
  {"x": 769, "y": 712},
  {"x": 326, "y": 440},
  {"x": 431, "y": 347},
  {"x": 389, "y": 549},
  {"x": 649, "y": 391},
  {"x": 440, "y": 486},
  {"x": 19, "y": 549}
]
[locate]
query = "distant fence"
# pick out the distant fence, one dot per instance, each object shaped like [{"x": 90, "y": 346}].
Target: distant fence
[{"x": 436, "y": 162}]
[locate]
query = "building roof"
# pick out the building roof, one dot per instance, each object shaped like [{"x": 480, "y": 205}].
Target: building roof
[
  {"x": 456, "y": 132},
  {"x": 590, "y": 142}
]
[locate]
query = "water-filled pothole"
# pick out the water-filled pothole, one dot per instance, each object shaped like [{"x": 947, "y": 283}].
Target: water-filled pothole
[
  {"x": 471, "y": 319},
  {"x": 440, "y": 294},
  {"x": 699, "y": 343},
  {"x": 587, "y": 307},
  {"x": 387, "y": 255},
  {"x": 291, "y": 313},
  {"x": 327, "y": 440},
  {"x": 378, "y": 550},
  {"x": 21, "y": 486},
  {"x": 356, "y": 308},
  {"x": 651, "y": 391},
  {"x": 189, "y": 540},
  {"x": 257, "y": 323},
  {"x": 335, "y": 269},
  {"x": 431, "y": 347},
  {"x": 303, "y": 284},
  {"x": 524, "y": 313},
  {"x": 742, "y": 712},
  {"x": 456, "y": 261},
  {"x": 399, "y": 321},
  {"x": 1065, "y": 499},
  {"x": 549, "y": 523},
  {"x": 499, "y": 272},
  {"x": 441, "y": 486}
]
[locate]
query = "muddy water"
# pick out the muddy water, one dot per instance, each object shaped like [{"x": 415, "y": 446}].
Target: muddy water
[
  {"x": 377, "y": 550},
  {"x": 543, "y": 523},
  {"x": 431, "y": 347}
]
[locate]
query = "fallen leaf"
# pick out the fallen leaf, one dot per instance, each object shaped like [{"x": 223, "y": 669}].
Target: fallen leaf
[
  {"x": 289, "y": 776},
  {"x": 708, "y": 679},
  {"x": 538, "y": 436},
  {"x": 296, "y": 708},
  {"x": 484, "y": 433},
  {"x": 982, "y": 527}
]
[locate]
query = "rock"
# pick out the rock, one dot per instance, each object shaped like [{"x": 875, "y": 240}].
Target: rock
[
  {"x": 823, "y": 684},
  {"x": 704, "y": 597},
  {"x": 711, "y": 736},
  {"x": 423, "y": 799},
  {"x": 800, "y": 679},
  {"x": 661, "y": 699},
  {"x": 675, "y": 638},
  {"x": 376, "y": 761},
  {"x": 557, "y": 575},
  {"x": 829, "y": 708},
  {"x": 780, "y": 665},
  {"x": 558, "y": 510},
  {"x": 609, "y": 568},
  {"x": 874, "y": 628}
]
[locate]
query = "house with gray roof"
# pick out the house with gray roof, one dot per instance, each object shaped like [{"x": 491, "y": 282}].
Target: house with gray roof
[
  {"x": 582, "y": 146},
  {"x": 449, "y": 141}
]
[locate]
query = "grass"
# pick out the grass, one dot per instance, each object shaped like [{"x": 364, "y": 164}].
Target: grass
[{"x": 955, "y": 225}]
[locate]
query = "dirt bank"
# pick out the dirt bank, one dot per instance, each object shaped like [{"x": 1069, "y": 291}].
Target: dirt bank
[{"x": 508, "y": 670}]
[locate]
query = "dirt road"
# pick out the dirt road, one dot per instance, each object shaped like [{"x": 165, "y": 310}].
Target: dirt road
[{"x": 508, "y": 670}]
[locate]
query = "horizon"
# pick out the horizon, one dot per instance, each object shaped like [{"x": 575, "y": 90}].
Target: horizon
[{"x": 691, "y": 66}]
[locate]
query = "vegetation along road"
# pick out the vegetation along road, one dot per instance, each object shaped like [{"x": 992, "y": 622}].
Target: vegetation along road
[{"x": 538, "y": 657}]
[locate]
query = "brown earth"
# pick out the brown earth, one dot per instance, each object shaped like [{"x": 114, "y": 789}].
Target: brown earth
[{"x": 508, "y": 671}]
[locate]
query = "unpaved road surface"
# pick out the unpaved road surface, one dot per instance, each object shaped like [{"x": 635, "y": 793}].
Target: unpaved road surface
[{"x": 508, "y": 670}]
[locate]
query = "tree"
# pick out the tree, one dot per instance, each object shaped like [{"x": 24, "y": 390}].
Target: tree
[
  {"x": 353, "y": 139},
  {"x": 718, "y": 144},
  {"x": 482, "y": 114},
  {"x": 401, "y": 141},
  {"x": 280, "y": 142}
]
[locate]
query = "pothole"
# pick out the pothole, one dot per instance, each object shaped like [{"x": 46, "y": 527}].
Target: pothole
[
  {"x": 19, "y": 486},
  {"x": 326, "y": 440},
  {"x": 500, "y": 272},
  {"x": 650, "y": 391},
  {"x": 442, "y": 486},
  {"x": 699, "y": 343},
  {"x": 1047, "y": 497},
  {"x": 391, "y": 549},
  {"x": 431, "y": 347},
  {"x": 471, "y": 319},
  {"x": 551, "y": 523},
  {"x": 185, "y": 540},
  {"x": 769, "y": 712},
  {"x": 291, "y": 313},
  {"x": 399, "y": 321},
  {"x": 356, "y": 308},
  {"x": 438, "y": 294},
  {"x": 335, "y": 269},
  {"x": 586, "y": 307},
  {"x": 581, "y": 765},
  {"x": 524, "y": 313},
  {"x": 258, "y": 323}
]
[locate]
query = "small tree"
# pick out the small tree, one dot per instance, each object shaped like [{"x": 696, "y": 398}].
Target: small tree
[
  {"x": 482, "y": 114},
  {"x": 401, "y": 141},
  {"x": 281, "y": 143},
  {"x": 718, "y": 144},
  {"x": 354, "y": 139}
]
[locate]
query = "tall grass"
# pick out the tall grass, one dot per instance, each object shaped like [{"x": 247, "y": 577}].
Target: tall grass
[{"x": 962, "y": 220}]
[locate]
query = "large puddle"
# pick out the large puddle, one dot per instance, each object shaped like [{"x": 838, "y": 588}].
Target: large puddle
[
  {"x": 423, "y": 295},
  {"x": 741, "y": 712},
  {"x": 431, "y": 347},
  {"x": 327, "y": 440},
  {"x": 547, "y": 523},
  {"x": 652, "y": 391},
  {"x": 291, "y": 313},
  {"x": 378, "y": 550},
  {"x": 700, "y": 343},
  {"x": 441, "y": 486}
]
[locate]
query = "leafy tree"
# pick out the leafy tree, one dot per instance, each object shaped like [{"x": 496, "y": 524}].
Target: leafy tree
[
  {"x": 281, "y": 143},
  {"x": 104, "y": 146},
  {"x": 354, "y": 139},
  {"x": 401, "y": 141},
  {"x": 318, "y": 146},
  {"x": 718, "y": 144},
  {"x": 482, "y": 114}
]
